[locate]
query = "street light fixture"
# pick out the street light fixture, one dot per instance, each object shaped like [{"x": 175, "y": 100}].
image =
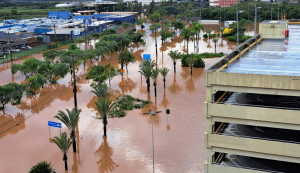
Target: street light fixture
[
  {"x": 255, "y": 19},
  {"x": 74, "y": 79},
  {"x": 153, "y": 114},
  {"x": 237, "y": 22}
]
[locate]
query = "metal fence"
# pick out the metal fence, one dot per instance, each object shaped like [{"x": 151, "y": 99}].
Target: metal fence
[{"x": 34, "y": 50}]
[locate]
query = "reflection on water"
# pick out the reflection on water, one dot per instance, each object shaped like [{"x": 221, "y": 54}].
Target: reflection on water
[
  {"x": 8, "y": 122},
  {"x": 105, "y": 152},
  {"x": 174, "y": 88}
]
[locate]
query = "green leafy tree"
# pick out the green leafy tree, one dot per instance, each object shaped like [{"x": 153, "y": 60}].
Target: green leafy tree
[
  {"x": 154, "y": 17},
  {"x": 125, "y": 25},
  {"x": 97, "y": 73},
  {"x": 63, "y": 143},
  {"x": 51, "y": 54},
  {"x": 42, "y": 167},
  {"x": 111, "y": 73},
  {"x": 208, "y": 33},
  {"x": 104, "y": 107},
  {"x": 70, "y": 120},
  {"x": 28, "y": 68},
  {"x": 154, "y": 75},
  {"x": 164, "y": 72},
  {"x": 10, "y": 93},
  {"x": 127, "y": 59},
  {"x": 142, "y": 26},
  {"x": 187, "y": 35},
  {"x": 73, "y": 46},
  {"x": 137, "y": 38},
  {"x": 13, "y": 12},
  {"x": 178, "y": 25},
  {"x": 88, "y": 54},
  {"x": 174, "y": 56},
  {"x": 33, "y": 85},
  {"x": 53, "y": 71},
  {"x": 108, "y": 32}
]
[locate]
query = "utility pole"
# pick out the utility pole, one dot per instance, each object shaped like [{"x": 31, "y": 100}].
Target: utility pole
[
  {"x": 9, "y": 43},
  {"x": 55, "y": 36},
  {"x": 122, "y": 61},
  {"x": 74, "y": 79},
  {"x": 162, "y": 24},
  {"x": 255, "y": 21}
]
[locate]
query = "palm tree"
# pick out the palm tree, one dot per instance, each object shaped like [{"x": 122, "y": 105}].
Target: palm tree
[
  {"x": 104, "y": 107},
  {"x": 164, "y": 72},
  {"x": 155, "y": 73},
  {"x": 42, "y": 167},
  {"x": 150, "y": 63},
  {"x": 155, "y": 28},
  {"x": 146, "y": 71},
  {"x": 71, "y": 121},
  {"x": 197, "y": 27},
  {"x": 215, "y": 40},
  {"x": 208, "y": 33},
  {"x": 222, "y": 30},
  {"x": 186, "y": 33},
  {"x": 190, "y": 61},
  {"x": 63, "y": 143},
  {"x": 174, "y": 56}
]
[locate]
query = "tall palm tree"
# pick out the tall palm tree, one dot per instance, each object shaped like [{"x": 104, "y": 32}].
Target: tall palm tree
[
  {"x": 197, "y": 27},
  {"x": 155, "y": 73},
  {"x": 63, "y": 143},
  {"x": 186, "y": 33},
  {"x": 154, "y": 28},
  {"x": 174, "y": 56},
  {"x": 101, "y": 90},
  {"x": 146, "y": 71},
  {"x": 70, "y": 120},
  {"x": 190, "y": 61},
  {"x": 164, "y": 72},
  {"x": 104, "y": 107},
  {"x": 208, "y": 33},
  {"x": 150, "y": 63},
  {"x": 215, "y": 40},
  {"x": 221, "y": 31}
]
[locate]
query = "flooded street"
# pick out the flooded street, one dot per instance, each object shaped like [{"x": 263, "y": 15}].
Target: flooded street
[{"x": 178, "y": 137}]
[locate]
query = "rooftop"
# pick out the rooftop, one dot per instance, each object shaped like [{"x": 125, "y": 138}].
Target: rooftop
[{"x": 271, "y": 57}]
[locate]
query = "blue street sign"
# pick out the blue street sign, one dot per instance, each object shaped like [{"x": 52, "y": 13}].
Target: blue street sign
[
  {"x": 146, "y": 56},
  {"x": 54, "y": 124},
  {"x": 87, "y": 21},
  {"x": 185, "y": 16}
]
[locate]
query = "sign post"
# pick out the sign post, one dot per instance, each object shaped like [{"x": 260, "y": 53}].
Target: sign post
[{"x": 54, "y": 124}]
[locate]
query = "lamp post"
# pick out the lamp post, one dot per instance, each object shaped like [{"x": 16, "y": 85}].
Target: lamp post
[
  {"x": 152, "y": 114},
  {"x": 271, "y": 11},
  {"x": 255, "y": 20},
  {"x": 74, "y": 79},
  {"x": 237, "y": 22}
]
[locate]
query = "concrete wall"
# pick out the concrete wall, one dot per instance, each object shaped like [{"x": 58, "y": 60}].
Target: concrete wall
[
  {"x": 252, "y": 80},
  {"x": 269, "y": 30},
  {"x": 213, "y": 168},
  {"x": 254, "y": 145},
  {"x": 257, "y": 116}
]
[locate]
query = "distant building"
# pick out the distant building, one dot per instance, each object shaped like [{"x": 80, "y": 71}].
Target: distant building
[{"x": 223, "y": 3}]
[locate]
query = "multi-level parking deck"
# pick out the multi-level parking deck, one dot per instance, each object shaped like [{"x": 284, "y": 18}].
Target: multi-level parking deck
[{"x": 252, "y": 107}]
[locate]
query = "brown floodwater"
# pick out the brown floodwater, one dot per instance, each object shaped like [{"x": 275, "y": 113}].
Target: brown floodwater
[{"x": 178, "y": 137}]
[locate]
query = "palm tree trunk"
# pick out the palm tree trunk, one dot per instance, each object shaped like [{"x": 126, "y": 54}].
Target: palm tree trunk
[
  {"x": 215, "y": 48},
  {"x": 104, "y": 121},
  {"x": 74, "y": 141},
  {"x": 148, "y": 84},
  {"x": 164, "y": 83},
  {"x": 154, "y": 84},
  {"x": 191, "y": 70},
  {"x": 174, "y": 66},
  {"x": 187, "y": 46},
  {"x": 65, "y": 158},
  {"x": 155, "y": 45}
]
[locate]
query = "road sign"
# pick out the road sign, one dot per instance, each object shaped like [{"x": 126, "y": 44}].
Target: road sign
[
  {"x": 146, "y": 56},
  {"x": 87, "y": 21},
  {"x": 54, "y": 124}
]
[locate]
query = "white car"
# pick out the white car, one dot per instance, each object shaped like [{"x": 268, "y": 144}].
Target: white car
[{"x": 15, "y": 50}]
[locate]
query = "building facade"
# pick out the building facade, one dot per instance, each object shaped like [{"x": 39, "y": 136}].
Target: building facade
[{"x": 252, "y": 108}]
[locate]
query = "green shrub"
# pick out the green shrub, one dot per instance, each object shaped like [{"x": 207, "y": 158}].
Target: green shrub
[
  {"x": 242, "y": 38},
  {"x": 198, "y": 63},
  {"x": 42, "y": 167},
  {"x": 227, "y": 34},
  {"x": 212, "y": 35},
  {"x": 204, "y": 35}
]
